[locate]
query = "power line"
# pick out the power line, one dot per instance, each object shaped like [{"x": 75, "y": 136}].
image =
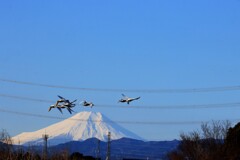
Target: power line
[
  {"x": 97, "y": 121},
  {"x": 25, "y": 98},
  {"x": 189, "y": 90},
  {"x": 45, "y": 147},
  {"x": 196, "y": 106}
]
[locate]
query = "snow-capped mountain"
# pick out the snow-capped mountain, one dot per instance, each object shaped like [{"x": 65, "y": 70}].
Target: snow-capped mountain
[{"x": 81, "y": 126}]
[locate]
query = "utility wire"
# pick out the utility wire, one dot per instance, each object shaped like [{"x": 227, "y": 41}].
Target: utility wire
[
  {"x": 97, "y": 121},
  {"x": 25, "y": 98},
  {"x": 197, "y": 106},
  {"x": 189, "y": 90}
]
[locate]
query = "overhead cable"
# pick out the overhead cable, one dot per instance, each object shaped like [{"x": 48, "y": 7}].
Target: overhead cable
[
  {"x": 196, "y": 106},
  {"x": 25, "y": 98},
  {"x": 189, "y": 90},
  {"x": 98, "y": 121}
]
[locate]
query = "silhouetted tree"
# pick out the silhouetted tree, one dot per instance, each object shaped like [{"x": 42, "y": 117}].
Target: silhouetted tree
[
  {"x": 205, "y": 145},
  {"x": 5, "y": 145},
  {"x": 60, "y": 155},
  {"x": 76, "y": 156},
  {"x": 232, "y": 143}
]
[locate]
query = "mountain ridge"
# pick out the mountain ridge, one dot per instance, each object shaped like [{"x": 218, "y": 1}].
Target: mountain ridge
[
  {"x": 79, "y": 127},
  {"x": 120, "y": 148}
]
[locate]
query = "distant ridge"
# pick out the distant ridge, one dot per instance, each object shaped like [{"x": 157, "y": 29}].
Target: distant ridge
[
  {"x": 80, "y": 127},
  {"x": 121, "y": 148}
]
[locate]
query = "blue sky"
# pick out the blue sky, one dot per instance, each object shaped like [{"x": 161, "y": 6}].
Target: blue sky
[{"x": 120, "y": 45}]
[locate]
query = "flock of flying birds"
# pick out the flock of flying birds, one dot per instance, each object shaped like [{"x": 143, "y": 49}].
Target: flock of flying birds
[{"x": 63, "y": 103}]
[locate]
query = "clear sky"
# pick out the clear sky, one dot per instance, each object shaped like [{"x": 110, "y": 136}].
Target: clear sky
[{"x": 137, "y": 44}]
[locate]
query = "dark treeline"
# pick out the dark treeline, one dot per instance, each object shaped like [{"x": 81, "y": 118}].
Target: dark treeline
[
  {"x": 35, "y": 156},
  {"x": 215, "y": 141}
]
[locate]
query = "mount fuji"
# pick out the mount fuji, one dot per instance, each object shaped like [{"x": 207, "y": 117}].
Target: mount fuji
[{"x": 80, "y": 127}]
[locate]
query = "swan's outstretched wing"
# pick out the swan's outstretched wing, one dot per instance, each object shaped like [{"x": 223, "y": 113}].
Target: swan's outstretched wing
[
  {"x": 124, "y": 95},
  {"x": 74, "y": 101},
  {"x": 60, "y": 97},
  {"x": 137, "y": 98},
  {"x": 70, "y": 110},
  {"x": 60, "y": 109}
]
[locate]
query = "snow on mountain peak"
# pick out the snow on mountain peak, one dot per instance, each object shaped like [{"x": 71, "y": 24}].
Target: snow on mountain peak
[
  {"x": 81, "y": 126},
  {"x": 94, "y": 116}
]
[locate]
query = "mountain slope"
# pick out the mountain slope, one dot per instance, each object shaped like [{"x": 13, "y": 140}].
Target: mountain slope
[
  {"x": 120, "y": 148},
  {"x": 81, "y": 126}
]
